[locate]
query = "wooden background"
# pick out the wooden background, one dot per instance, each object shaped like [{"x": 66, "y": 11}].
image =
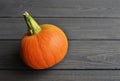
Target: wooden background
[{"x": 92, "y": 28}]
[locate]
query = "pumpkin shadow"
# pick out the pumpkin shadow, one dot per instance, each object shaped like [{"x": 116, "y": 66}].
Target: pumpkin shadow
[
  {"x": 15, "y": 61},
  {"x": 10, "y": 55},
  {"x": 20, "y": 69},
  {"x": 22, "y": 72},
  {"x": 12, "y": 65}
]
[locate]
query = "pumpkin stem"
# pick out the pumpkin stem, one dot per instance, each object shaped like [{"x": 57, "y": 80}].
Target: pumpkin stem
[{"x": 33, "y": 26}]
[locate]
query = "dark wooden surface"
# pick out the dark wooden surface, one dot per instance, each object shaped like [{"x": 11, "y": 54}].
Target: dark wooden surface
[{"x": 92, "y": 28}]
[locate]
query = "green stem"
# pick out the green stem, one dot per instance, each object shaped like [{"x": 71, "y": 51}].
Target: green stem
[{"x": 33, "y": 26}]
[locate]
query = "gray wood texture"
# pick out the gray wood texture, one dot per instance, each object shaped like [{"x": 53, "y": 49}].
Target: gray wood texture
[
  {"x": 92, "y": 28},
  {"x": 75, "y": 28},
  {"x": 61, "y": 8},
  {"x": 60, "y": 75},
  {"x": 81, "y": 55}
]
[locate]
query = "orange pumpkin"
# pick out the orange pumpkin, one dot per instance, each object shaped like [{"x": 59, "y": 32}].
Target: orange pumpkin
[{"x": 43, "y": 46}]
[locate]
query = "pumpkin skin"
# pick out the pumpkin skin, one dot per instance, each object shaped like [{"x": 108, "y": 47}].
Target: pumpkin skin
[{"x": 44, "y": 49}]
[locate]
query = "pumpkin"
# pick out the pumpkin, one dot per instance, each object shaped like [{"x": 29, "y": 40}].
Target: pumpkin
[{"x": 43, "y": 46}]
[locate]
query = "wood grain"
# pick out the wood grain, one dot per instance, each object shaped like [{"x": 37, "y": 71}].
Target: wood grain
[
  {"x": 81, "y": 55},
  {"x": 93, "y": 30},
  {"x": 60, "y": 75},
  {"x": 61, "y": 8},
  {"x": 75, "y": 28}
]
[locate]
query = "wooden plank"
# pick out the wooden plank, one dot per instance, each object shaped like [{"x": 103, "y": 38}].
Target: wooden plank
[
  {"x": 81, "y": 55},
  {"x": 75, "y": 28},
  {"x": 59, "y": 8},
  {"x": 60, "y": 75}
]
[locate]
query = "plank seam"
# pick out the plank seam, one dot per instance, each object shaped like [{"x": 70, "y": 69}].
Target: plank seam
[
  {"x": 63, "y": 17},
  {"x": 70, "y": 39},
  {"x": 60, "y": 69}
]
